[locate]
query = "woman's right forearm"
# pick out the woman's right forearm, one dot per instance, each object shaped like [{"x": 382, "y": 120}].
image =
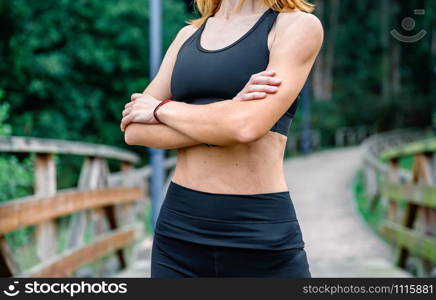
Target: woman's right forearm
[{"x": 158, "y": 136}]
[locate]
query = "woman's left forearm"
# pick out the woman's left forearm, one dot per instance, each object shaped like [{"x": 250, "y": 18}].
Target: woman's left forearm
[
  {"x": 157, "y": 136},
  {"x": 221, "y": 123}
]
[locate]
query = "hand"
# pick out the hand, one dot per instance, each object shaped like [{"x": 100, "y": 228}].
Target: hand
[
  {"x": 259, "y": 86},
  {"x": 139, "y": 110}
]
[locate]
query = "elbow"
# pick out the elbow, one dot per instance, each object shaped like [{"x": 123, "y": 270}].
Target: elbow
[
  {"x": 129, "y": 137},
  {"x": 128, "y": 140},
  {"x": 244, "y": 136},
  {"x": 248, "y": 132}
]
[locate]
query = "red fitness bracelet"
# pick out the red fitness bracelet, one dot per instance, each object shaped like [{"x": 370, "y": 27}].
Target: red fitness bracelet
[{"x": 157, "y": 107}]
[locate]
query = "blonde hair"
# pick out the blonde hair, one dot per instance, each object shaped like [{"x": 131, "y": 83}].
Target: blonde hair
[{"x": 208, "y": 7}]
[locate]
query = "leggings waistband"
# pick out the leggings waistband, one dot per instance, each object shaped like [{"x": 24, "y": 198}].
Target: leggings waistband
[
  {"x": 263, "y": 207},
  {"x": 260, "y": 221}
]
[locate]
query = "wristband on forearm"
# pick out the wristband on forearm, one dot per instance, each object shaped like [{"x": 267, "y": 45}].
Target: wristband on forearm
[
  {"x": 157, "y": 107},
  {"x": 157, "y": 119}
]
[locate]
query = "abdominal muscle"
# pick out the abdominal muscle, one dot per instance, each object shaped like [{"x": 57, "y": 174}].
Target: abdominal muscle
[{"x": 251, "y": 168}]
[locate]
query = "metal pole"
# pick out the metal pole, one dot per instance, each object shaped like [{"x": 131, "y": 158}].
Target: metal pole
[
  {"x": 305, "y": 107},
  {"x": 433, "y": 79},
  {"x": 156, "y": 155}
]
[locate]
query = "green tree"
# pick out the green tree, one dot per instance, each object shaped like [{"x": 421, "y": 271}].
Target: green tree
[
  {"x": 15, "y": 175},
  {"x": 70, "y": 66}
]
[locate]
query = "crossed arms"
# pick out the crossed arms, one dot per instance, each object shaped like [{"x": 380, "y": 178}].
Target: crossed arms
[{"x": 229, "y": 122}]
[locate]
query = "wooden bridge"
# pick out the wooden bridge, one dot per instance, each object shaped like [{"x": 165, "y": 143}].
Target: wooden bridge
[
  {"x": 104, "y": 215},
  {"x": 339, "y": 243}
]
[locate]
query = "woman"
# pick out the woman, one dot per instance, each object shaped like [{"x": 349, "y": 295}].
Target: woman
[{"x": 228, "y": 211}]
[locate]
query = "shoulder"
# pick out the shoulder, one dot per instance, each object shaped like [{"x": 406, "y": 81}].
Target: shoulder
[
  {"x": 299, "y": 29},
  {"x": 182, "y": 35},
  {"x": 185, "y": 32},
  {"x": 299, "y": 23}
]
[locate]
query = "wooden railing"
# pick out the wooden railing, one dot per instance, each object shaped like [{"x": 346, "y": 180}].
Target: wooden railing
[
  {"x": 400, "y": 183},
  {"x": 111, "y": 205},
  {"x": 411, "y": 216}
]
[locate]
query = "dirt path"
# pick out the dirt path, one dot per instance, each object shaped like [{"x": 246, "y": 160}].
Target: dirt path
[{"x": 338, "y": 242}]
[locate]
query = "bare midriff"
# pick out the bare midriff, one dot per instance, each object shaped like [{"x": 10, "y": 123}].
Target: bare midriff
[{"x": 250, "y": 168}]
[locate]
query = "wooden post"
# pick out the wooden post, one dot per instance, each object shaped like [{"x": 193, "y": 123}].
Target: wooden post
[
  {"x": 100, "y": 170},
  {"x": 45, "y": 185},
  {"x": 126, "y": 209},
  {"x": 393, "y": 177},
  {"x": 371, "y": 187},
  {"x": 419, "y": 217},
  {"x": 421, "y": 173},
  {"x": 110, "y": 212},
  {"x": 78, "y": 220},
  {"x": 93, "y": 175}
]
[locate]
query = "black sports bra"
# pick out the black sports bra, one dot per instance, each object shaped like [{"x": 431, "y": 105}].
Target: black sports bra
[{"x": 202, "y": 76}]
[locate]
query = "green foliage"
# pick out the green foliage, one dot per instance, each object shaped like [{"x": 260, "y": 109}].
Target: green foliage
[
  {"x": 358, "y": 68},
  {"x": 70, "y": 66},
  {"x": 5, "y": 129},
  {"x": 16, "y": 176},
  {"x": 374, "y": 217},
  {"x": 406, "y": 162}
]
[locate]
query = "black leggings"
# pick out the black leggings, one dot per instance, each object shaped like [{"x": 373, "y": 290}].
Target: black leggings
[
  {"x": 172, "y": 258},
  {"x": 201, "y": 234}
]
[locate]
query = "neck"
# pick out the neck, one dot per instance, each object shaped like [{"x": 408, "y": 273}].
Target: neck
[{"x": 229, "y": 8}]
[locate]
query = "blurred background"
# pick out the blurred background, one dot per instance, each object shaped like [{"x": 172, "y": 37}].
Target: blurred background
[{"x": 81, "y": 195}]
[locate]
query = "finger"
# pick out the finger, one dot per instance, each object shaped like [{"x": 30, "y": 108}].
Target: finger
[
  {"x": 253, "y": 96},
  {"x": 261, "y": 88},
  {"x": 135, "y": 102},
  {"x": 125, "y": 121},
  {"x": 266, "y": 80},
  {"x": 126, "y": 112},
  {"x": 135, "y": 96},
  {"x": 266, "y": 73},
  {"x": 129, "y": 104},
  {"x": 263, "y": 73}
]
